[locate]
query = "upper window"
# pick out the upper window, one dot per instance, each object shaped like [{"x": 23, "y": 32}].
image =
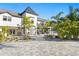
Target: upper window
[
  {"x": 9, "y": 18},
  {"x": 5, "y": 18}
]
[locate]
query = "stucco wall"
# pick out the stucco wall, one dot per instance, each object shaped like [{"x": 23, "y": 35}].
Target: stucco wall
[
  {"x": 13, "y": 22},
  {"x": 34, "y": 18}
]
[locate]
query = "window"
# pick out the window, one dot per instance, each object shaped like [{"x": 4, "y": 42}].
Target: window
[
  {"x": 5, "y": 18},
  {"x": 9, "y": 18}
]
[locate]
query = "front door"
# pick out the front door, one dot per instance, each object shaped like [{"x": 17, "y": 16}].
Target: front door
[{"x": 12, "y": 32}]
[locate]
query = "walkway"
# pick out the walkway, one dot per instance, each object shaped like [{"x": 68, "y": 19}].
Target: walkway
[
  {"x": 38, "y": 38},
  {"x": 39, "y": 48}
]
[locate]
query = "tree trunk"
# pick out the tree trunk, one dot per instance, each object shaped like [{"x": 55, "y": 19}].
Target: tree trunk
[{"x": 26, "y": 32}]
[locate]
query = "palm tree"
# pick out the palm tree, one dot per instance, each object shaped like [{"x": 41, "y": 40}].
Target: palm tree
[
  {"x": 72, "y": 13},
  {"x": 69, "y": 27},
  {"x": 27, "y": 24},
  {"x": 57, "y": 17}
]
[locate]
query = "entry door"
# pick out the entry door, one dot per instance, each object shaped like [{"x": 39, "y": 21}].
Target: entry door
[{"x": 12, "y": 31}]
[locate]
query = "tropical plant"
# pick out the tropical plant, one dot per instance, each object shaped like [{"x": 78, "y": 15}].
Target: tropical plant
[
  {"x": 3, "y": 33},
  {"x": 48, "y": 24},
  {"x": 73, "y": 13},
  {"x": 27, "y": 24},
  {"x": 42, "y": 29},
  {"x": 57, "y": 17},
  {"x": 69, "y": 27},
  {"x": 5, "y": 29},
  {"x": 1, "y": 37}
]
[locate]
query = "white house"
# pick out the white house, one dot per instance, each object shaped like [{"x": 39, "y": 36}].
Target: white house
[
  {"x": 14, "y": 21},
  {"x": 6, "y": 19},
  {"x": 33, "y": 17}
]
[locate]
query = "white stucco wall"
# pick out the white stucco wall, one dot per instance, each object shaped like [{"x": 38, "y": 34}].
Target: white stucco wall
[
  {"x": 13, "y": 22},
  {"x": 34, "y": 18}
]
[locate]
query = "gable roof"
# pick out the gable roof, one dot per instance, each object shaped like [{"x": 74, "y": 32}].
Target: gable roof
[
  {"x": 9, "y": 12},
  {"x": 30, "y": 11}
]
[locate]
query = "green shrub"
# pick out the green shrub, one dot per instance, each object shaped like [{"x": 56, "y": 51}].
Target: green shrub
[
  {"x": 27, "y": 37},
  {"x": 50, "y": 36},
  {"x": 2, "y": 37},
  {"x": 14, "y": 39}
]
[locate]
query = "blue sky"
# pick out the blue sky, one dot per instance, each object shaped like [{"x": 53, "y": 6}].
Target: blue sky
[{"x": 45, "y": 10}]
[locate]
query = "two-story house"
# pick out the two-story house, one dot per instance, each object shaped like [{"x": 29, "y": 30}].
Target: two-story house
[{"x": 14, "y": 21}]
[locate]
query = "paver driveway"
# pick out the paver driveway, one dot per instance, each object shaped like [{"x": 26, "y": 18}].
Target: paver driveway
[{"x": 39, "y": 48}]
